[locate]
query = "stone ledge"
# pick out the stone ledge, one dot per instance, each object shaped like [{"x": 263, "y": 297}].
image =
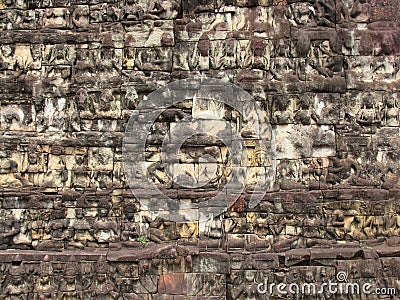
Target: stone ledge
[{"x": 171, "y": 250}]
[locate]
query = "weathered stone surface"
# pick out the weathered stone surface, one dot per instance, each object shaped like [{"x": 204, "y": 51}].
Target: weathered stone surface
[{"x": 72, "y": 73}]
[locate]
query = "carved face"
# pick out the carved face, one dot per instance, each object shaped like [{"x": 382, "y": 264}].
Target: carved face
[
  {"x": 7, "y": 50},
  {"x": 368, "y": 102},
  {"x": 309, "y": 276},
  {"x": 129, "y": 53},
  {"x": 390, "y": 102},
  {"x": 342, "y": 154},
  {"x": 16, "y": 280},
  {"x": 82, "y": 54},
  {"x": 249, "y": 276},
  {"x": 59, "y": 52},
  {"x": 110, "y": 11},
  {"x": 32, "y": 157},
  {"x": 258, "y": 93},
  {"x": 103, "y": 212},
  {"x": 44, "y": 279},
  {"x": 36, "y": 53},
  {"x": 106, "y": 96},
  {"x": 107, "y": 53},
  {"x": 70, "y": 279},
  {"x": 132, "y": 270},
  {"x": 79, "y": 213},
  {"x": 101, "y": 277},
  {"x": 283, "y": 104},
  {"x": 130, "y": 211},
  {"x": 34, "y": 214},
  {"x": 322, "y": 273},
  {"x": 305, "y": 104},
  {"x": 39, "y": 104}
]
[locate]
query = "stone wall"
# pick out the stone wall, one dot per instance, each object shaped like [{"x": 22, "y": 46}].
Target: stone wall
[{"x": 326, "y": 73}]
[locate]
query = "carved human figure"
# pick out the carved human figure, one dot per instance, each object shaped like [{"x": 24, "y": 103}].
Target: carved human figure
[
  {"x": 86, "y": 280},
  {"x": 107, "y": 104},
  {"x": 105, "y": 228},
  {"x": 282, "y": 114},
  {"x": 261, "y": 224},
  {"x": 155, "y": 9},
  {"x": 357, "y": 227},
  {"x": 260, "y": 54},
  {"x": 389, "y": 227},
  {"x": 313, "y": 226},
  {"x": 131, "y": 99},
  {"x": 160, "y": 230},
  {"x": 39, "y": 225},
  {"x": 59, "y": 229},
  {"x": 131, "y": 11},
  {"x": 245, "y": 285},
  {"x": 102, "y": 287},
  {"x": 83, "y": 232},
  {"x": 216, "y": 54},
  {"x": 57, "y": 18},
  {"x": 243, "y": 54},
  {"x": 68, "y": 288},
  {"x": 109, "y": 62},
  {"x": 36, "y": 54},
  {"x": 44, "y": 287},
  {"x": 129, "y": 58},
  {"x": 84, "y": 104},
  {"x": 32, "y": 78},
  {"x": 214, "y": 228},
  {"x": 129, "y": 228},
  {"x": 80, "y": 17},
  {"x": 305, "y": 114},
  {"x": 335, "y": 224},
  {"x": 58, "y": 121},
  {"x": 317, "y": 65},
  {"x": 341, "y": 168},
  {"x": 18, "y": 287},
  {"x": 42, "y": 121},
  {"x": 368, "y": 115},
  {"x": 301, "y": 13},
  {"x": 58, "y": 54},
  {"x": 7, "y": 59},
  {"x": 110, "y": 15},
  {"x": 9, "y": 228},
  {"x": 288, "y": 175},
  {"x": 4, "y": 273},
  {"x": 391, "y": 111},
  {"x": 187, "y": 230},
  {"x": 229, "y": 60},
  {"x": 319, "y": 168},
  {"x": 73, "y": 118},
  {"x": 360, "y": 11},
  {"x": 370, "y": 227},
  {"x": 343, "y": 8},
  {"x": 326, "y": 12},
  {"x": 85, "y": 64},
  {"x": 14, "y": 178}
]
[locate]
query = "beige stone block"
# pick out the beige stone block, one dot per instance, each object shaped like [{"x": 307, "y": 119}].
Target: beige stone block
[
  {"x": 188, "y": 230},
  {"x": 101, "y": 159},
  {"x": 56, "y": 162},
  {"x": 56, "y": 18}
]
